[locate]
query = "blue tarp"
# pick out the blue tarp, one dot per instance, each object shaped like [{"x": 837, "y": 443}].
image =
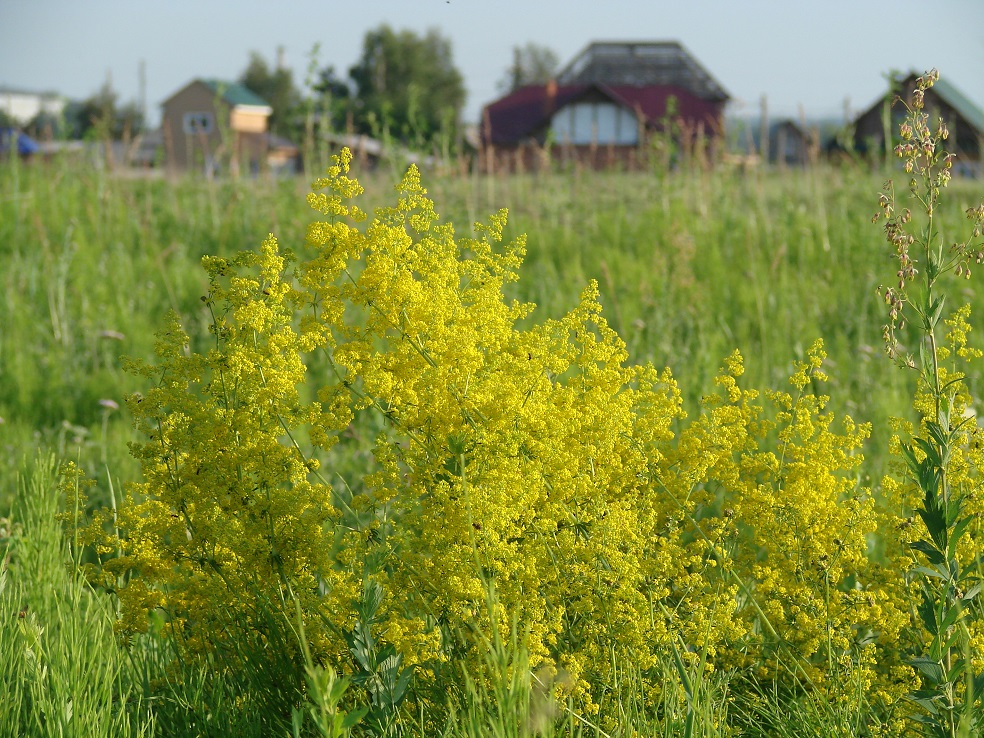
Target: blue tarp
[{"x": 25, "y": 144}]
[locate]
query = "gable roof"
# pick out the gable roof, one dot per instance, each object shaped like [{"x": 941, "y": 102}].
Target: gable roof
[
  {"x": 232, "y": 93},
  {"x": 946, "y": 91},
  {"x": 44, "y": 95},
  {"x": 642, "y": 63},
  {"x": 235, "y": 93},
  {"x": 961, "y": 103},
  {"x": 527, "y": 111}
]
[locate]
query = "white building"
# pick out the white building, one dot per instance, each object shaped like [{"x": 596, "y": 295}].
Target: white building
[{"x": 22, "y": 105}]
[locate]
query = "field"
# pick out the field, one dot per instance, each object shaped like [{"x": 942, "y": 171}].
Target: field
[{"x": 690, "y": 265}]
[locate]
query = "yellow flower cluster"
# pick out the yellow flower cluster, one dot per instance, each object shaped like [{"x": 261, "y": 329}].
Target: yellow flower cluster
[{"x": 532, "y": 462}]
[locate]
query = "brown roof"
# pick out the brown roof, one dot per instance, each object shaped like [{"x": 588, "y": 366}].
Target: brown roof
[
  {"x": 527, "y": 111},
  {"x": 642, "y": 63}
]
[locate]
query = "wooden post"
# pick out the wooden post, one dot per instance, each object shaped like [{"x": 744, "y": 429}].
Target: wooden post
[
  {"x": 764, "y": 129},
  {"x": 781, "y": 147}
]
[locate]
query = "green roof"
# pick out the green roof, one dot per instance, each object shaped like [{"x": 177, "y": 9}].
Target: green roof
[{"x": 235, "y": 93}]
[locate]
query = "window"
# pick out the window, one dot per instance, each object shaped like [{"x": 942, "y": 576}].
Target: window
[
  {"x": 598, "y": 123},
  {"x": 202, "y": 122}
]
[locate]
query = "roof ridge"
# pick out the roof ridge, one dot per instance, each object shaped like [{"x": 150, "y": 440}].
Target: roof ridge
[
  {"x": 960, "y": 102},
  {"x": 234, "y": 93}
]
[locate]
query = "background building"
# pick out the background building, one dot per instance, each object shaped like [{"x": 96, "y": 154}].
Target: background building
[
  {"x": 22, "y": 106},
  {"x": 604, "y": 107},
  {"x": 208, "y": 122},
  {"x": 964, "y": 120}
]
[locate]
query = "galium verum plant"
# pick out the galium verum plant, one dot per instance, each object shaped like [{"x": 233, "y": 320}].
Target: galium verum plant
[
  {"x": 535, "y": 460},
  {"x": 943, "y": 458}
]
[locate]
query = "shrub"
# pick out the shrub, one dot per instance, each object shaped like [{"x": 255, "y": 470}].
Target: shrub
[{"x": 532, "y": 462}]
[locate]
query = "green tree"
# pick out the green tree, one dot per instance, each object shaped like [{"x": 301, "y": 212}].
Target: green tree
[
  {"x": 532, "y": 64},
  {"x": 276, "y": 86},
  {"x": 407, "y": 84},
  {"x": 335, "y": 95},
  {"x": 101, "y": 115},
  {"x": 6, "y": 120}
]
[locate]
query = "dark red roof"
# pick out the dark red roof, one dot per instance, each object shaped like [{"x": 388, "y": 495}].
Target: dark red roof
[{"x": 525, "y": 112}]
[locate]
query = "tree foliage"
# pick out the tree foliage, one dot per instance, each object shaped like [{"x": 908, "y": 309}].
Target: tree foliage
[
  {"x": 334, "y": 95},
  {"x": 275, "y": 85},
  {"x": 329, "y": 83},
  {"x": 406, "y": 84},
  {"x": 101, "y": 115},
  {"x": 532, "y": 64}
]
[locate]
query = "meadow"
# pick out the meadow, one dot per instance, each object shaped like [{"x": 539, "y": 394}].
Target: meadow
[{"x": 690, "y": 265}]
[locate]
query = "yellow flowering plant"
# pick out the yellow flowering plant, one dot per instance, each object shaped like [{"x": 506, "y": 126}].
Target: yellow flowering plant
[{"x": 535, "y": 463}]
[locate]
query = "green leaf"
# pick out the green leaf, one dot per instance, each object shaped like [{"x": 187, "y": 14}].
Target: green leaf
[
  {"x": 957, "y": 532},
  {"x": 927, "y": 611},
  {"x": 951, "y": 642},
  {"x": 931, "y": 451},
  {"x": 935, "y": 309},
  {"x": 926, "y": 699},
  {"x": 933, "y": 262},
  {"x": 926, "y": 571},
  {"x": 952, "y": 510},
  {"x": 935, "y": 522},
  {"x": 979, "y": 683},
  {"x": 932, "y": 553},
  {"x": 926, "y": 363},
  {"x": 951, "y": 617},
  {"x": 943, "y": 416},
  {"x": 910, "y": 458},
  {"x": 956, "y": 671},
  {"x": 354, "y": 717},
  {"x": 941, "y": 435},
  {"x": 929, "y": 668}
]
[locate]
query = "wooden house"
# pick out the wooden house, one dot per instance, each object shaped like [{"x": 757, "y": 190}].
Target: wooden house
[
  {"x": 792, "y": 144},
  {"x": 283, "y": 157},
  {"x": 603, "y": 109},
  {"x": 208, "y": 122},
  {"x": 964, "y": 119}
]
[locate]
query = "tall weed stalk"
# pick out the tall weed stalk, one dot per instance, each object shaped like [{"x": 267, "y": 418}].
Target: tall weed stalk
[{"x": 941, "y": 459}]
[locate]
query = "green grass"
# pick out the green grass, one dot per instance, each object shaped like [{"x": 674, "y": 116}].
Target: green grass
[
  {"x": 62, "y": 671},
  {"x": 690, "y": 267}
]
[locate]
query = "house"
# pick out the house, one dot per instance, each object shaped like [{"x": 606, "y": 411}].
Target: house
[
  {"x": 964, "y": 119},
  {"x": 366, "y": 150},
  {"x": 604, "y": 107},
  {"x": 208, "y": 122},
  {"x": 792, "y": 144},
  {"x": 22, "y": 106},
  {"x": 283, "y": 156}
]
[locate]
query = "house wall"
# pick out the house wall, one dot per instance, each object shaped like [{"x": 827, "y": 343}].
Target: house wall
[
  {"x": 789, "y": 146},
  {"x": 193, "y": 132},
  {"x": 696, "y": 148},
  {"x": 23, "y": 106},
  {"x": 247, "y": 121},
  {"x": 191, "y": 143}
]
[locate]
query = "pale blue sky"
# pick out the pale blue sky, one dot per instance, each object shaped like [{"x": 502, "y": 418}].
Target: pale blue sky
[{"x": 796, "y": 52}]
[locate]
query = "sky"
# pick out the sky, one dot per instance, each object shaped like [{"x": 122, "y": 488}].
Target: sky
[{"x": 809, "y": 54}]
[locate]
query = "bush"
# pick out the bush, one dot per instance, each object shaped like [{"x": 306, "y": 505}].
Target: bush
[{"x": 534, "y": 463}]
